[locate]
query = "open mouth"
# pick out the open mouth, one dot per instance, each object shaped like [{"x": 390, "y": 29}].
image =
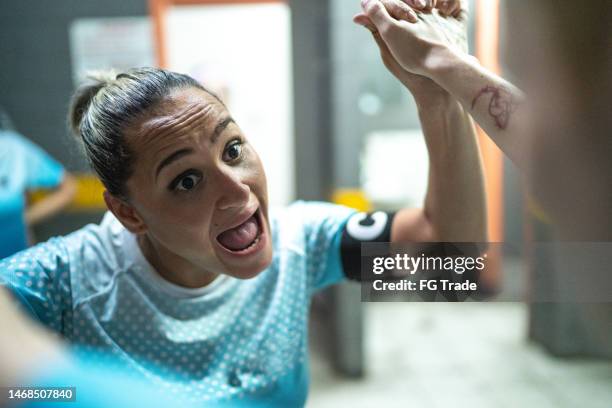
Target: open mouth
[{"x": 243, "y": 238}]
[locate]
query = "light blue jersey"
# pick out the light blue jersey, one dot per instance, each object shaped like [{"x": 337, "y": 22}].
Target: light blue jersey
[
  {"x": 232, "y": 343},
  {"x": 92, "y": 386},
  {"x": 23, "y": 166}
]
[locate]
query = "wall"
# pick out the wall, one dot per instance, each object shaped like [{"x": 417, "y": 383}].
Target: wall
[{"x": 36, "y": 77}]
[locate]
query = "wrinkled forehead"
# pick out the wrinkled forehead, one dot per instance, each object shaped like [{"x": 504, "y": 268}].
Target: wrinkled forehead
[
  {"x": 179, "y": 106},
  {"x": 182, "y": 112}
]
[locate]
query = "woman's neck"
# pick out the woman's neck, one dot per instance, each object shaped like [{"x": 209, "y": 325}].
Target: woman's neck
[{"x": 173, "y": 268}]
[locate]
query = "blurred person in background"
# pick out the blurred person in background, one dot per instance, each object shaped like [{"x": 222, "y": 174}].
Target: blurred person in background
[{"x": 25, "y": 167}]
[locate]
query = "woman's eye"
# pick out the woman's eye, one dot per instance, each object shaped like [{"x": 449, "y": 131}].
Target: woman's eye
[
  {"x": 233, "y": 152},
  {"x": 188, "y": 182}
]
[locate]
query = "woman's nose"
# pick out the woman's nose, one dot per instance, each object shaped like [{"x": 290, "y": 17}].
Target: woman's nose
[{"x": 233, "y": 192}]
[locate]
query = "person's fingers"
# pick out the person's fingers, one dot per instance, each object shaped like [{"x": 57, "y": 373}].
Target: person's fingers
[
  {"x": 377, "y": 13},
  {"x": 455, "y": 9},
  {"x": 445, "y": 6},
  {"x": 430, "y": 5},
  {"x": 364, "y": 21},
  {"x": 416, "y": 4},
  {"x": 400, "y": 10},
  {"x": 459, "y": 11},
  {"x": 449, "y": 8}
]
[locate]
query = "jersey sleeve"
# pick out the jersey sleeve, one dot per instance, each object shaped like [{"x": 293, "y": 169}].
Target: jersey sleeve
[
  {"x": 323, "y": 225},
  {"x": 38, "y": 278},
  {"x": 42, "y": 170}
]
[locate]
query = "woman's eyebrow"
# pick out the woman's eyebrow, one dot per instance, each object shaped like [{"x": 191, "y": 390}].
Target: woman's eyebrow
[
  {"x": 223, "y": 123},
  {"x": 172, "y": 158}
]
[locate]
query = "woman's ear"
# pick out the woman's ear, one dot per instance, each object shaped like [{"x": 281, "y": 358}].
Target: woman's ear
[{"x": 125, "y": 213}]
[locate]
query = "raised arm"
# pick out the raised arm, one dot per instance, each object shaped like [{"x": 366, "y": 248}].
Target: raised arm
[
  {"x": 421, "y": 48},
  {"x": 454, "y": 209},
  {"x": 492, "y": 101}
]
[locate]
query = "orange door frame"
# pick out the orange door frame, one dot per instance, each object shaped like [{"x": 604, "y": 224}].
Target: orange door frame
[{"x": 487, "y": 51}]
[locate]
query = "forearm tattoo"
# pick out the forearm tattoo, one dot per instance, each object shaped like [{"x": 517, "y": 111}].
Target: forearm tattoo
[{"x": 501, "y": 105}]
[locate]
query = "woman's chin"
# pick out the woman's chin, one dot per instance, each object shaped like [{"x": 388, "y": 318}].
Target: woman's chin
[{"x": 252, "y": 269}]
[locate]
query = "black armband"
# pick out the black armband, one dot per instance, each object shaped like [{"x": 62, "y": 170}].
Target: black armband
[{"x": 362, "y": 228}]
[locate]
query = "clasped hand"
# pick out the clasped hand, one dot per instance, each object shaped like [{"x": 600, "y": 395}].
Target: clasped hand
[{"x": 408, "y": 41}]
